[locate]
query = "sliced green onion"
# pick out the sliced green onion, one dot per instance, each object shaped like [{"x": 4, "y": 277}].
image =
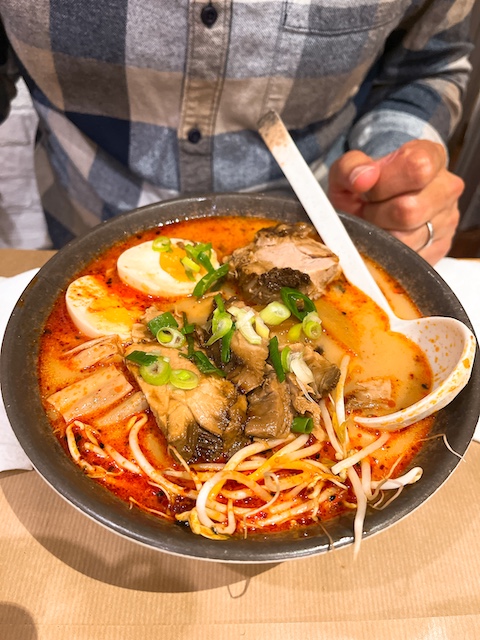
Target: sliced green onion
[
  {"x": 244, "y": 323},
  {"x": 219, "y": 302},
  {"x": 188, "y": 330},
  {"x": 275, "y": 313},
  {"x": 188, "y": 327},
  {"x": 225, "y": 352},
  {"x": 162, "y": 244},
  {"x": 205, "y": 366},
  {"x": 160, "y": 322},
  {"x": 297, "y": 302},
  {"x": 183, "y": 379},
  {"x": 221, "y": 324},
  {"x": 190, "y": 346},
  {"x": 261, "y": 328},
  {"x": 285, "y": 358},
  {"x": 156, "y": 373},
  {"x": 275, "y": 358},
  {"x": 302, "y": 424},
  {"x": 198, "y": 248},
  {"x": 300, "y": 368},
  {"x": 191, "y": 267},
  {"x": 293, "y": 361},
  {"x": 189, "y": 264},
  {"x": 141, "y": 357},
  {"x": 209, "y": 280},
  {"x": 201, "y": 253},
  {"x": 312, "y": 325},
  {"x": 170, "y": 337},
  {"x": 295, "y": 332}
]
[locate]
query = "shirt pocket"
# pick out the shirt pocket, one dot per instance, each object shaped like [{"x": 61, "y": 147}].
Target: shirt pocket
[{"x": 327, "y": 18}]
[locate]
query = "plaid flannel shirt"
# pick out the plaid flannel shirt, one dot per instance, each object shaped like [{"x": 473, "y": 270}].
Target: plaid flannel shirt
[{"x": 140, "y": 100}]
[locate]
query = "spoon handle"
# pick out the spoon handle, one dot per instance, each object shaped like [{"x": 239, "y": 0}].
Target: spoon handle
[{"x": 318, "y": 207}]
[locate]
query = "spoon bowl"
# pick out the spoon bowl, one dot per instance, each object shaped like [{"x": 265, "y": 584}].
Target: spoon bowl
[{"x": 448, "y": 344}]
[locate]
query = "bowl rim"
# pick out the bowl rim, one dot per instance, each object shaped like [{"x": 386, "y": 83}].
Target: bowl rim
[{"x": 20, "y": 350}]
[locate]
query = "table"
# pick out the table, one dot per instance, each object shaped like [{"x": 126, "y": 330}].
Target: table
[{"x": 64, "y": 576}]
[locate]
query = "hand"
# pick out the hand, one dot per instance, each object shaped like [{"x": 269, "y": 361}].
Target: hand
[{"x": 401, "y": 192}]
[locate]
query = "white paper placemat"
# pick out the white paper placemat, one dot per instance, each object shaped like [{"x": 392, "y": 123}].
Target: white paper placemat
[{"x": 11, "y": 454}]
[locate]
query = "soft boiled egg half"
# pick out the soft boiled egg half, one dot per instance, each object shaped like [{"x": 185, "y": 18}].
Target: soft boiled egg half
[
  {"x": 96, "y": 311},
  {"x": 163, "y": 273}
]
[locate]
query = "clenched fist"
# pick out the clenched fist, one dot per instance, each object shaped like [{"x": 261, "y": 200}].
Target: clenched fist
[{"x": 401, "y": 192}]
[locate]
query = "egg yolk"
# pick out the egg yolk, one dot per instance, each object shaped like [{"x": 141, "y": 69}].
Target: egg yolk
[
  {"x": 111, "y": 311},
  {"x": 170, "y": 262}
]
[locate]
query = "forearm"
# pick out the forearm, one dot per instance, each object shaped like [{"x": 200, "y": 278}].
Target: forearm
[{"x": 417, "y": 87}]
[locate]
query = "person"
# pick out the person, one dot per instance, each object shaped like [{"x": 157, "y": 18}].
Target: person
[{"x": 139, "y": 101}]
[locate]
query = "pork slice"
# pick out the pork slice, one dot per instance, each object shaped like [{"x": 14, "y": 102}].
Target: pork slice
[
  {"x": 130, "y": 406},
  {"x": 305, "y": 407},
  {"x": 234, "y": 436},
  {"x": 93, "y": 352},
  {"x": 326, "y": 374},
  {"x": 372, "y": 394},
  {"x": 285, "y": 255},
  {"x": 212, "y": 400},
  {"x": 298, "y": 230},
  {"x": 201, "y": 422},
  {"x": 269, "y": 413},
  {"x": 247, "y": 365},
  {"x": 92, "y": 394},
  {"x": 174, "y": 415}
]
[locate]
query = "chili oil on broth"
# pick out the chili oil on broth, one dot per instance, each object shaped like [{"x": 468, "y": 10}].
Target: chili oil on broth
[
  {"x": 376, "y": 352},
  {"x": 352, "y": 324}
]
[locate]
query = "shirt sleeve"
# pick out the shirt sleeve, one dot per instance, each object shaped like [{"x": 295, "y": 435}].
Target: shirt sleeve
[
  {"x": 416, "y": 88},
  {"x": 8, "y": 75}
]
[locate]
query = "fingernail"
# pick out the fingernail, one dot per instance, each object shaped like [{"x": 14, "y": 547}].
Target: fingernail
[
  {"x": 360, "y": 171},
  {"x": 388, "y": 158}
]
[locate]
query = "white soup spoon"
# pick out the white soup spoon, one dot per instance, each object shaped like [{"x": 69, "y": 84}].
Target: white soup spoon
[{"x": 448, "y": 344}]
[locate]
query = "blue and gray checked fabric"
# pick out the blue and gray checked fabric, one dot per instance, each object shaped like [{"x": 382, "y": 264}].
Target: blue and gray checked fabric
[{"x": 140, "y": 100}]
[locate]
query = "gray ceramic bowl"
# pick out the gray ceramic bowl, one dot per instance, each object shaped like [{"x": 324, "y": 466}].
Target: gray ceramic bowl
[{"x": 24, "y": 408}]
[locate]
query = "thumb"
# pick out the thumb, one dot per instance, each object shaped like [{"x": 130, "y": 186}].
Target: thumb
[
  {"x": 363, "y": 177},
  {"x": 351, "y": 175}
]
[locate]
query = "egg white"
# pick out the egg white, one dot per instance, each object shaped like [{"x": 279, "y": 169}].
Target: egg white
[
  {"x": 140, "y": 268},
  {"x": 95, "y": 311}
]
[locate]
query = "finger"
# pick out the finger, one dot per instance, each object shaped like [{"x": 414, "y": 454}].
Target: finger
[
  {"x": 437, "y": 250},
  {"x": 348, "y": 169},
  {"x": 442, "y": 239},
  {"x": 410, "y": 211},
  {"x": 351, "y": 175},
  {"x": 408, "y": 169},
  {"x": 444, "y": 225}
]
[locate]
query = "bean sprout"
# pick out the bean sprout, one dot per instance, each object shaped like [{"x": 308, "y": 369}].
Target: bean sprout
[{"x": 266, "y": 483}]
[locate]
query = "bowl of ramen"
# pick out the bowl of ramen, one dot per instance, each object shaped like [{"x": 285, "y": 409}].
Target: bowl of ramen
[{"x": 189, "y": 375}]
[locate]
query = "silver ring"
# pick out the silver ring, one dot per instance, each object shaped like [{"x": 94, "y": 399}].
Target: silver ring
[{"x": 429, "y": 241}]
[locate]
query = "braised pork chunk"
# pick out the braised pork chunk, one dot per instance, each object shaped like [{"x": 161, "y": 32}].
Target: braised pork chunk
[{"x": 284, "y": 256}]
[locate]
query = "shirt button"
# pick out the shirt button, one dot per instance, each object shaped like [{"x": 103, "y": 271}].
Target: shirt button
[
  {"x": 194, "y": 136},
  {"x": 209, "y": 15}
]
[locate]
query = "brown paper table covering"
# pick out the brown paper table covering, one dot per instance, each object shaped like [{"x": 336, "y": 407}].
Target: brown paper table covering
[{"x": 63, "y": 576}]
